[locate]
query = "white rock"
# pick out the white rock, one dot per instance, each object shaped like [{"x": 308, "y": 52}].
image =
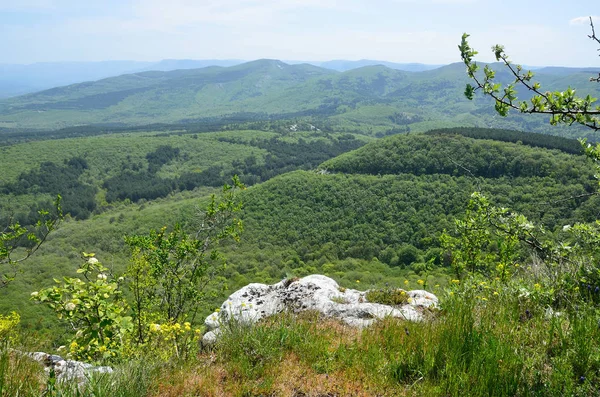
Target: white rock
[
  {"x": 316, "y": 292},
  {"x": 68, "y": 370}
]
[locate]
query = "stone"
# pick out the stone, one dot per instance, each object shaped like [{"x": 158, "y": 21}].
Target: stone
[
  {"x": 317, "y": 293},
  {"x": 68, "y": 370}
]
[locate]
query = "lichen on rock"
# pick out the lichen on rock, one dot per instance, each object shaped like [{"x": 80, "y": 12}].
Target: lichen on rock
[{"x": 316, "y": 293}]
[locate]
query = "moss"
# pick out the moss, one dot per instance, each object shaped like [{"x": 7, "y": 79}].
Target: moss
[{"x": 388, "y": 296}]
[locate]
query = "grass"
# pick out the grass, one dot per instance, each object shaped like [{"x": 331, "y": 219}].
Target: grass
[
  {"x": 502, "y": 346},
  {"x": 389, "y": 296}
]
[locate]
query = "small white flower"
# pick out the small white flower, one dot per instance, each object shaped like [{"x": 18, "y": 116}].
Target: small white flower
[
  {"x": 34, "y": 294},
  {"x": 92, "y": 261},
  {"x": 566, "y": 228},
  {"x": 70, "y": 306}
]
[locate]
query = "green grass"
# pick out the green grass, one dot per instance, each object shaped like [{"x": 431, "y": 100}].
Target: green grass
[{"x": 498, "y": 346}]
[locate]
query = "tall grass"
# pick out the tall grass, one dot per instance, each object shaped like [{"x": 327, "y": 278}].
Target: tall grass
[
  {"x": 474, "y": 347},
  {"x": 19, "y": 375},
  {"x": 477, "y": 345}
]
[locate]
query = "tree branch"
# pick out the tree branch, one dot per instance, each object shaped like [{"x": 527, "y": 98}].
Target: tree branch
[{"x": 564, "y": 107}]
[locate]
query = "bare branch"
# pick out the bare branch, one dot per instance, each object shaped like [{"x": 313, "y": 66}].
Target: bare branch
[{"x": 593, "y": 37}]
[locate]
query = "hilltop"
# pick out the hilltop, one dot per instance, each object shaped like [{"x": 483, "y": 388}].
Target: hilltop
[
  {"x": 18, "y": 79},
  {"x": 373, "y": 100}
]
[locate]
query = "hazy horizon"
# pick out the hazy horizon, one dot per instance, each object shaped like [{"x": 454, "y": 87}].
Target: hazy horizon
[{"x": 398, "y": 31}]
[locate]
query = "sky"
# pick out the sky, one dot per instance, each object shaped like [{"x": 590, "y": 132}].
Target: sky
[{"x": 534, "y": 32}]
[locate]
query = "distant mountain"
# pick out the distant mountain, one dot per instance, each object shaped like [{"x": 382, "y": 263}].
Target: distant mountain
[
  {"x": 174, "y": 64},
  {"x": 22, "y": 79},
  {"x": 375, "y": 100},
  {"x": 343, "y": 65},
  {"x": 562, "y": 71}
]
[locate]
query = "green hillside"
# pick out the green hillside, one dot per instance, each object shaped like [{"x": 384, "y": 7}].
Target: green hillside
[
  {"x": 399, "y": 193},
  {"x": 373, "y": 100},
  {"x": 375, "y": 215},
  {"x": 93, "y": 173}
]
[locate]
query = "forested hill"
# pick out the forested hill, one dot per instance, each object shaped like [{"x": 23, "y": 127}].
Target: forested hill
[
  {"x": 373, "y": 100},
  {"x": 375, "y": 217},
  {"x": 393, "y": 197},
  {"x": 458, "y": 155}
]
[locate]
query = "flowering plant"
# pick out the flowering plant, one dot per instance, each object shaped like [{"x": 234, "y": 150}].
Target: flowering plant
[{"x": 95, "y": 309}]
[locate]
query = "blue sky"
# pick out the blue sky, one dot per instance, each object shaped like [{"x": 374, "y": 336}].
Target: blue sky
[{"x": 534, "y": 32}]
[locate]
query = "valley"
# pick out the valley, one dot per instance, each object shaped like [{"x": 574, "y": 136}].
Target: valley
[{"x": 365, "y": 175}]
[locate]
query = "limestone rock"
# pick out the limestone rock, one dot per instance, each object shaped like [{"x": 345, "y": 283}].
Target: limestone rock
[
  {"x": 316, "y": 292},
  {"x": 68, "y": 370}
]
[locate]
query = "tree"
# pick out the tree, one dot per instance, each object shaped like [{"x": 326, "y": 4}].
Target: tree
[
  {"x": 170, "y": 270},
  {"x": 564, "y": 107},
  {"x": 15, "y": 236}
]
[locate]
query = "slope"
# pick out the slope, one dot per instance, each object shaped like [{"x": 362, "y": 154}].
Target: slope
[
  {"x": 367, "y": 218},
  {"x": 373, "y": 100}
]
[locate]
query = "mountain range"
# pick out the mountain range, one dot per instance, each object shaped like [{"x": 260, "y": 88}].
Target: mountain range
[
  {"x": 370, "y": 99},
  {"x": 19, "y": 79}
]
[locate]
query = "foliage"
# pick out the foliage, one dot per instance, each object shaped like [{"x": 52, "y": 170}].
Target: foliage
[
  {"x": 349, "y": 225},
  {"x": 8, "y": 326},
  {"x": 170, "y": 271},
  {"x": 478, "y": 249},
  {"x": 459, "y": 155},
  {"x": 171, "y": 340},
  {"x": 563, "y": 106},
  {"x": 77, "y": 198},
  {"x": 11, "y": 238},
  {"x": 94, "y": 307},
  {"x": 492, "y": 244},
  {"x": 566, "y": 145},
  {"x": 168, "y": 276},
  {"x": 161, "y": 156}
]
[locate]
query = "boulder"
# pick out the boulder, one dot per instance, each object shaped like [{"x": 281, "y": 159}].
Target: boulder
[
  {"x": 68, "y": 370},
  {"x": 317, "y": 293}
]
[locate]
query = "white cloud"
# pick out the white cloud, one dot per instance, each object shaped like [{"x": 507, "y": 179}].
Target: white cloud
[{"x": 584, "y": 20}]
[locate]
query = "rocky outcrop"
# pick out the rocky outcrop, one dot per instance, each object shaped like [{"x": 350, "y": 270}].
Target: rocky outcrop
[
  {"x": 318, "y": 293},
  {"x": 68, "y": 370}
]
